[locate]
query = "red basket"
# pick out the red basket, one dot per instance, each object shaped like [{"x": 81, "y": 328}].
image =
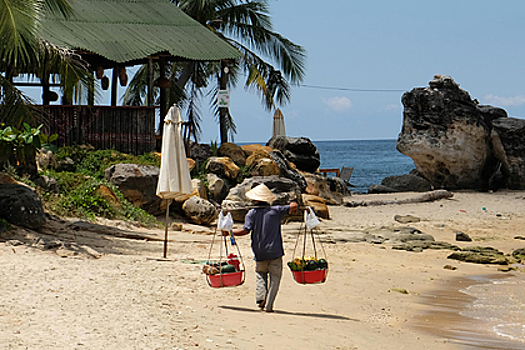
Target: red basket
[
  {"x": 226, "y": 279},
  {"x": 308, "y": 277}
]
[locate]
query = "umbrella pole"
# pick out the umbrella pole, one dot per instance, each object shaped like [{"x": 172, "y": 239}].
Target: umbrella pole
[{"x": 166, "y": 230}]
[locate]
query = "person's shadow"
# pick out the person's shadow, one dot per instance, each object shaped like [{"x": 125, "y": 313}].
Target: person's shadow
[{"x": 291, "y": 313}]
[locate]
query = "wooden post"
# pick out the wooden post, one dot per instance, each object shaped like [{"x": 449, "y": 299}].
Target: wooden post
[
  {"x": 223, "y": 111},
  {"x": 114, "y": 78},
  {"x": 163, "y": 97}
]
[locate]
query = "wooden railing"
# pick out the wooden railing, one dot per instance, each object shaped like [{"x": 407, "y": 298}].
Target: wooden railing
[{"x": 125, "y": 129}]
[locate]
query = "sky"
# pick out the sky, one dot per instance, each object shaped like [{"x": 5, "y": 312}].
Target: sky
[{"x": 384, "y": 45}]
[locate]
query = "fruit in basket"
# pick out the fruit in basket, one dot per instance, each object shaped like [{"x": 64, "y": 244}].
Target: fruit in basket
[
  {"x": 311, "y": 265},
  {"x": 322, "y": 264},
  {"x": 300, "y": 263},
  {"x": 210, "y": 270},
  {"x": 228, "y": 268},
  {"x": 293, "y": 266}
]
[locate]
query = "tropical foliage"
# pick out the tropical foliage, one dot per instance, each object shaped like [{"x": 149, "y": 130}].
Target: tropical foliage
[
  {"x": 270, "y": 62},
  {"x": 23, "y": 52}
]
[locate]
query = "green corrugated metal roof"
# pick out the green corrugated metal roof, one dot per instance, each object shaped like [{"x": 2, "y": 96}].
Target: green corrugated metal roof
[{"x": 128, "y": 30}]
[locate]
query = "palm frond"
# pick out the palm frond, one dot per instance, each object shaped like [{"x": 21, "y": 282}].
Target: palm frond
[
  {"x": 59, "y": 6},
  {"x": 18, "y": 28},
  {"x": 15, "y": 108},
  {"x": 136, "y": 93},
  {"x": 68, "y": 69}
]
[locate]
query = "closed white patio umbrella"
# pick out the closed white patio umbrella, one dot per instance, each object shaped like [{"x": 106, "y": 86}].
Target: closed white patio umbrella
[
  {"x": 278, "y": 124},
  {"x": 174, "y": 178}
]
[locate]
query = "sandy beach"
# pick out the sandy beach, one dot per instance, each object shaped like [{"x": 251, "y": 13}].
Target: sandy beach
[{"x": 106, "y": 286}]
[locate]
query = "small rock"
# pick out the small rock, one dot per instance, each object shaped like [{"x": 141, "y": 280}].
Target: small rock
[
  {"x": 450, "y": 267},
  {"x": 463, "y": 237},
  {"x": 405, "y": 219}
]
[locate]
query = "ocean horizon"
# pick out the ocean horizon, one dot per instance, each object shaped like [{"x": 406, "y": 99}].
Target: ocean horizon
[{"x": 372, "y": 160}]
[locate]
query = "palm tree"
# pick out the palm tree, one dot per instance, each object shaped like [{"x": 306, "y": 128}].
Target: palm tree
[
  {"x": 23, "y": 52},
  {"x": 270, "y": 62}
]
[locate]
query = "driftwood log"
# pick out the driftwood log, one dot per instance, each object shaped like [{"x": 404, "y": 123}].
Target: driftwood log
[{"x": 426, "y": 197}]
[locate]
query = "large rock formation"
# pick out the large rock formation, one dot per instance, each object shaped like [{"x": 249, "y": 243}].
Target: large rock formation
[
  {"x": 448, "y": 135},
  {"x": 508, "y": 139},
  {"x": 138, "y": 184},
  {"x": 298, "y": 150}
]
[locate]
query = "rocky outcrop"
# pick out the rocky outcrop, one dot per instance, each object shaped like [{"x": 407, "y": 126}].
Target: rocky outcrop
[
  {"x": 508, "y": 139},
  {"x": 19, "y": 205},
  {"x": 287, "y": 170},
  {"x": 299, "y": 150},
  {"x": 448, "y": 135}
]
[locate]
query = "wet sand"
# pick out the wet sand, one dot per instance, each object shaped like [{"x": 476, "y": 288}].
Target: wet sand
[{"x": 442, "y": 316}]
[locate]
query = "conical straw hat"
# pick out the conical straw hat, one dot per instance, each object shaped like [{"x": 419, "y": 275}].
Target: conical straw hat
[{"x": 261, "y": 193}]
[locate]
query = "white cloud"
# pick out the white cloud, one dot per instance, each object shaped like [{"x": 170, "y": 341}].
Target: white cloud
[
  {"x": 338, "y": 104},
  {"x": 394, "y": 107},
  {"x": 504, "y": 101}
]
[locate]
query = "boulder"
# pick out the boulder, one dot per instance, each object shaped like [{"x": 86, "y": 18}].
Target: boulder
[
  {"x": 254, "y": 157},
  {"x": 327, "y": 188},
  {"x": 47, "y": 183},
  {"x": 287, "y": 170},
  {"x": 138, "y": 184},
  {"x": 378, "y": 189},
  {"x": 217, "y": 187},
  {"x": 200, "y": 152},
  {"x": 298, "y": 150},
  {"x": 447, "y": 135},
  {"x": 407, "y": 183},
  {"x": 266, "y": 167},
  {"x": 223, "y": 167},
  {"x": 318, "y": 204},
  {"x": 249, "y": 149},
  {"x": 199, "y": 187},
  {"x": 234, "y": 152},
  {"x": 199, "y": 210},
  {"x": 508, "y": 140},
  {"x": 284, "y": 189},
  {"x": 20, "y": 205}
]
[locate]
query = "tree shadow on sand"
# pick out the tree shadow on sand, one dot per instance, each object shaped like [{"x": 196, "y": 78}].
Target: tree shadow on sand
[{"x": 291, "y": 313}]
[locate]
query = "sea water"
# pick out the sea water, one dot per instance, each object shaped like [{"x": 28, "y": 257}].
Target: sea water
[
  {"x": 499, "y": 305},
  {"x": 372, "y": 160}
]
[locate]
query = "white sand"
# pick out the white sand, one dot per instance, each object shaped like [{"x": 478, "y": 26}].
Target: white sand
[{"x": 130, "y": 299}]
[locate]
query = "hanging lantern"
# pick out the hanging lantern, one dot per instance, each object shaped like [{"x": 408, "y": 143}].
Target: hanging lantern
[
  {"x": 163, "y": 83},
  {"x": 50, "y": 96},
  {"x": 99, "y": 72},
  {"x": 105, "y": 83},
  {"x": 123, "y": 76}
]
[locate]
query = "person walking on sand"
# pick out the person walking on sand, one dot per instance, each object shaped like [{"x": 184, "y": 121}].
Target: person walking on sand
[{"x": 264, "y": 223}]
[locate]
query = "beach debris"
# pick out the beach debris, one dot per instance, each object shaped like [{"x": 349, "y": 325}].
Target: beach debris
[
  {"x": 406, "y": 219},
  {"x": 450, "y": 267},
  {"x": 426, "y": 197},
  {"x": 463, "y": 237},
  {"x": 519, "y": 237},
  {"x": 399, "y": 290}
]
